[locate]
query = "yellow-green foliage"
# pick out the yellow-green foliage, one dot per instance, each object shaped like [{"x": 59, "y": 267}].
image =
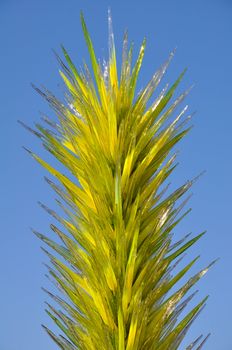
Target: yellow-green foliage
[{"x": 117, "y": 252}]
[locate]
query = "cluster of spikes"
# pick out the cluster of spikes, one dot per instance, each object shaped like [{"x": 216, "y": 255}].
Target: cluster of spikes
[{"x": 117, "y": 254}]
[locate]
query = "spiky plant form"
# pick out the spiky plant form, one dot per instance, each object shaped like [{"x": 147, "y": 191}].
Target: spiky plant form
[{"x": 118, "y": 255}]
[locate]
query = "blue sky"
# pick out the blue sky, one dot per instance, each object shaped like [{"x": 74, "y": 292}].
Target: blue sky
[{"x": 201, "y": 31}]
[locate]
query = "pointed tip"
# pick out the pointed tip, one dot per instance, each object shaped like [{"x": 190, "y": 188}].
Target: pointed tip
[
  {"x": 48, "y": 254},
  {"x": 200, "y": 235},
  {"x": 46, "y": 290},
  {"x": 20, "y": 122},
  {"x": 173, "y": 52},
  {"x": 195, "y": 342},
  {"x": 34, "y": 231},
  {"x": 204, "y": 341},
  {"x": 213, "y": 262},
  {"x": 110, "y": 24},
  {"x": 144, "y": 42},
  {"x": 34, "y": 86},
  {"x": 47, "y": 304},
  {"x": 188, "y": 235},
  {"x": 46, "y": 179},
  {"x": 28, "y": 151},
  {"x": 192, "y": 86},
  {"x": 28, "y": 128},
  {"x": 47, "y": 329},
  {"x": 109, "y": 11},
  {"x": 196, "y": 178},
  {"x": 82, "y": 18},
  {"x": 57, "y": 57},
  {"x": 39, "y": 235},
  {"x": 206, "y": 269},
  {"x": 53, "y": 227},
  {"x": 49, "y": 182},
  {"x": 63, "y": 49}
]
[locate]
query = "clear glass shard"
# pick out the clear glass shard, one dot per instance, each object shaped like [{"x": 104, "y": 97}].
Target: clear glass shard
[
  {"x": 111, "y": 35},
  {"x": 192, "y": 345},
  {"x": 203, "y": 342}
]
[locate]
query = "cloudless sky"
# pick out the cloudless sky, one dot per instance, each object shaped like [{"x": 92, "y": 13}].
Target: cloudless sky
[{"x": 29, "y": 30}]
